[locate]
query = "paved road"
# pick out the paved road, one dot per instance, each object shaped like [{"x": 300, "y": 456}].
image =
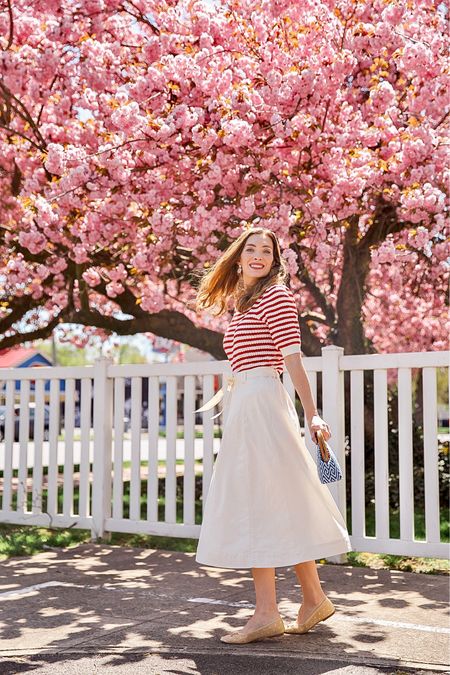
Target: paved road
[
  {"x": 194, "y": 664},
  {"x": 108, "y": 609},
  {"x": 162, "y": 451}
]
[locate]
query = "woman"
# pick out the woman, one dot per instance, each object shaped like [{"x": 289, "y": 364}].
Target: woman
[{"x": 266, "y": 506}]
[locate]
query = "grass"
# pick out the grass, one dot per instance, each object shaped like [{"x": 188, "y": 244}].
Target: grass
[
  {"x": 144, "y": 433},
  {"x": 394, "y": 515},
  {"x": 398, "y": 562},
  {"x": 19, "y": 540},
  {"x": 394, "y": 523},
  {"x": 161, "y": 462}
]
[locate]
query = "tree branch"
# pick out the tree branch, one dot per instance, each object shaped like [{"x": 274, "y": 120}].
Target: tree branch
[
  {"x": 19, "y": 309},
  {"x": 315, "y": 291},
  {"x": 11, "y": 27},
  {"x": 385, "y": 221},
  {"x": 166, "y": 323},
  {"x": 39, "y": 334}
]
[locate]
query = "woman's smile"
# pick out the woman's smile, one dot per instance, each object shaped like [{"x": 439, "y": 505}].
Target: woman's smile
[{"x": 259, "y": 266}]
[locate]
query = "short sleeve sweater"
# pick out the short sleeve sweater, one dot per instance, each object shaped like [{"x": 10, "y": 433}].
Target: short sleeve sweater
[{"x": 265, "y": 333}]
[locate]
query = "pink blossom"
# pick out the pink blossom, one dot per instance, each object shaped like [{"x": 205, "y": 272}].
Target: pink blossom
[
  {"x": 113, "y": 289},
  {"x": 33, "y": 240},
  {"x": 152, "y": 151},
  {"x": 118, "y": 274},
  {"x": 55, "y": 162},
  {"x": 291, "y": 260},
  {"x": 237, "y": 133},
  {"x": 382, "y": 97},
  {"x": 91, "y": 277},
  {"x": 127, "y": 118}
]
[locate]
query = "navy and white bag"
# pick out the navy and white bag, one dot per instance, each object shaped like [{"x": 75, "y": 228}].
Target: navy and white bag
[{"x": 327, "y": 465}]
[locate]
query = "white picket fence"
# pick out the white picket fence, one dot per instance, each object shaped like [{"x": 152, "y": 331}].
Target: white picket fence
[{"x": 100, "y": 491}]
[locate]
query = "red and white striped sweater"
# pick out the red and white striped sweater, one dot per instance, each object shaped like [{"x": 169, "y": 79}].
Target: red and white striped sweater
[{"x": 265, "y": 333}]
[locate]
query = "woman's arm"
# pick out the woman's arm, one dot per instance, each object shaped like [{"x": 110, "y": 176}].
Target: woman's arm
[{"x": 296, "y": 370}]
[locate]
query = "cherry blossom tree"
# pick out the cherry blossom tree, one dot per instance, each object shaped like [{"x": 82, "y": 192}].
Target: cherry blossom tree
[{"x": 139, "y": 137}]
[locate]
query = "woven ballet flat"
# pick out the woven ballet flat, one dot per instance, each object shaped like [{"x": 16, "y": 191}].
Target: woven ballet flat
[
  {"x": 269, "y": 630},
  {"x": 323, "y": 611}
]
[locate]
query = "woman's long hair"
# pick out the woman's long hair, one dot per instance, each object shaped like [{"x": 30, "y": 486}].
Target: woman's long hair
[{"x": 222, "y": 280}]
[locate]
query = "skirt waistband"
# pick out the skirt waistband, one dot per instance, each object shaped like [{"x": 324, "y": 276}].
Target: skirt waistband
[
  {"x": 254, "y": 372},
  {"x": 231, "y": 380}
]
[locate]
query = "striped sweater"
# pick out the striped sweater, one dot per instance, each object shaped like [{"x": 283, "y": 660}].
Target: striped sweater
[{"x": 265, "y": 333}]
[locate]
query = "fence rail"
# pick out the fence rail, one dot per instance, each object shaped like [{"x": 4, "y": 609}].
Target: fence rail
[{"x": 129, "y": 479}]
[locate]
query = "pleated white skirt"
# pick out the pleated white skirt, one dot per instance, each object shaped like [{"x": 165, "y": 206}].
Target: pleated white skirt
[{"x": 266, "y": 506}]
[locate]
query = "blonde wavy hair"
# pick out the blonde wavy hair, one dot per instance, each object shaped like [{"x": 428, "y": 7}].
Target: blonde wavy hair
[{"x": 222, "y": 281}]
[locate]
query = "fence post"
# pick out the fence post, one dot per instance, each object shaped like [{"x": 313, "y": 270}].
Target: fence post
[
  {"x": 333, "y": 412},
  {"x": 102, "y": 466}
]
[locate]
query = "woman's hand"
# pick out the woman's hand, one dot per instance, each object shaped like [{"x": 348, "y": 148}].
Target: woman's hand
[{"x": 316, "y": 423}]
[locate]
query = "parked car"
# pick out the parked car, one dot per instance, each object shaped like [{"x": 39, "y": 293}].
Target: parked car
[
  {"x": 127, "y": 415},
  {"x": 77, "y": 420},
  {"x": 32, "y": 410}
]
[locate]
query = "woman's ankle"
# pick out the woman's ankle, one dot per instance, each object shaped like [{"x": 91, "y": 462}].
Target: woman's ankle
[
  {"x": 266, "y": 612},
  {"x": 313, "y": 598}
]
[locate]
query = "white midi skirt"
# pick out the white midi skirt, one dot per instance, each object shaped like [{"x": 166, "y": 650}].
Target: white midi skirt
[{"x": 266, "y": 506}]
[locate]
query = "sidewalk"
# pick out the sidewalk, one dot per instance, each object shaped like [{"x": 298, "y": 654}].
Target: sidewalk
[{"x": 104, "y": 609}]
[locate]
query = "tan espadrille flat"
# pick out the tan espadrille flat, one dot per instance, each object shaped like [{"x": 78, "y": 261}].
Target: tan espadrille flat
[
  {"x": 269, "y": 630},
  {"x": 323, "y": 611}
]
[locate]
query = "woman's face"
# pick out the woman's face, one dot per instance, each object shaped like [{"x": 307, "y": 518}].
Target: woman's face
[{"x": 256, "y": 258}]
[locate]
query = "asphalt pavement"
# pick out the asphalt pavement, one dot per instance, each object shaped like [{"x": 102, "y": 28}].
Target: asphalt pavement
[{"x": 96, "y": 608}]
